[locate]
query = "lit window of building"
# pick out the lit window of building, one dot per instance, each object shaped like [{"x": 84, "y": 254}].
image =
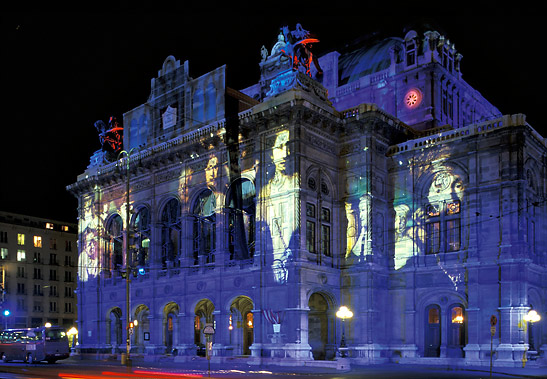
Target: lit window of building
[{"x": 21, "y": 255}]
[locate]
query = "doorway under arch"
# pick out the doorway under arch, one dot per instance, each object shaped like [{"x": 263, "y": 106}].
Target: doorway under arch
[
  {"x": 170, "y": 325},
  {"x": 114, "y": 328},
  {"x": 432, "y": 338},
  {"x": 320, "y": 327},
  {"x": 142, "y": 330},
  {"x": 457, "y": 321},
  {"x": 203, "y": 314},
  {"x": 242, "y": 336}
]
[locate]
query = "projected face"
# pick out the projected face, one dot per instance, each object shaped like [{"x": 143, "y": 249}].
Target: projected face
[
  {"x": 279, "y": 151},
  {"x": 280, "y": 211},
  {"x": 358, "y": 232},
  {"x": 401, "y": 216},
  {"x": 88, "y": 260},
  {"x": 211, "y": 171},
  {"x": 449, "y": 185},
  {"x": 405, "y": 232}
]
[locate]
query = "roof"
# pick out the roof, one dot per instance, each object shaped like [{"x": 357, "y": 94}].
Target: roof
[{"x": 366, "y": 60}]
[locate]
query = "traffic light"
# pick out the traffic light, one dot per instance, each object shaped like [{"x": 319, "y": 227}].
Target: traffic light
[{"x": 6, "y": 312}]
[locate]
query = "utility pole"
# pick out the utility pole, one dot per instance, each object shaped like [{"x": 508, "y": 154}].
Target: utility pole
[{"x": 127, "y": 259}]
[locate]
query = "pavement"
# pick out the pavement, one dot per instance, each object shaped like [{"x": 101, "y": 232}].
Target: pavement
[{"x": 200, "y": 365}]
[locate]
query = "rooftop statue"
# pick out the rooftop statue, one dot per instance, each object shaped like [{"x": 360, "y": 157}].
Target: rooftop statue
[
  {"x": 111, "y": 137},
  {"x": 298, "y": 46}
]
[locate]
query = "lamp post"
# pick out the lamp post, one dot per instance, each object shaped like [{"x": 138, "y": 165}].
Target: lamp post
[
  {"x": 127, "y": 257},
  {"x": 6, "y": 314},
  {"x": 531, "y": 317},
  {"x": 343, "y": 313}
]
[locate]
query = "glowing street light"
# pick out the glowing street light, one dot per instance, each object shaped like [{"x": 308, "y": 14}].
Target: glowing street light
[
  {"x": 343, "y": 313},
  {"x": 72, "y": 335},
  {"x": 532, "y": 316},
  {"x": 6, "y": 315}
]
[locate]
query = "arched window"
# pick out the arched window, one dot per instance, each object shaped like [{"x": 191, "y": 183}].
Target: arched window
[
  {"x": 241, "y": 205},
  {"x": 204, "y": 231},
  {"x": 113, "y": 252},
  {"x": 170, "y": 233},
  {"x": 141, "y": 229},
  {"x": 443, "y": 214}
]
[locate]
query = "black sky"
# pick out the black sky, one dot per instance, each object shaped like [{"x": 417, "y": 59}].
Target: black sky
[{"x": 61, "y": 72}]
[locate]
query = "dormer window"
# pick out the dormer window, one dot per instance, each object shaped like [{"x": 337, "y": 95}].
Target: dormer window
[
  {"x": 411, "y": 48},
  {"x": 410, "y": 53},
  {"x": 448, "y": 59}
]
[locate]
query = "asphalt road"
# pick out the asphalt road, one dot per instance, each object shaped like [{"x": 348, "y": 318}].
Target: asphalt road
[{"x": 89, "y": 369}]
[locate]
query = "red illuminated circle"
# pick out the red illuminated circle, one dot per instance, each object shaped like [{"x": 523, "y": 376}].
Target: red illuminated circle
[{"x": 413, "y": 98}]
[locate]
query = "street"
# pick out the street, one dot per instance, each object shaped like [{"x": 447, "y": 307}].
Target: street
[{"x": 92, "y": 369}]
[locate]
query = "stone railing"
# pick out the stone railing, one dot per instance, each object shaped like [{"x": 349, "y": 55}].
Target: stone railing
[
  {"x": 453, "y": 134},
  {"x": 193, "y": 135}
]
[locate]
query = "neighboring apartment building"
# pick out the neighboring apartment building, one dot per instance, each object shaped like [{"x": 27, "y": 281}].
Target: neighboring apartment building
[
  {"x": 386, "y": 184},
  {"x": 38, "y": 259}
]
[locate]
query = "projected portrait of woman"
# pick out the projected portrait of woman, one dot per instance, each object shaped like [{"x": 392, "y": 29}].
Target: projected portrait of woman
[
  {"x": 88, "y": 264},
  {"x": 280, "y": 213},
  {"x": 358, "y": 232},
  {"x": 404, "y": 235}
]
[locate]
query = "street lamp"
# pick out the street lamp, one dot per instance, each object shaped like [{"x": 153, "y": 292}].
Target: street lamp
[
  {"x": 531, "y": 317},
  {"x": 72, "y": 335},
  {"x": 6, "y": 314},
  {"x": 127, "y": 256},
  {"x": 343, "y": 313}
]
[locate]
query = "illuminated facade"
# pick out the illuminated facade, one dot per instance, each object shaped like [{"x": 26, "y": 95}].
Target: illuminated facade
[
  {"x": 382, "y": 182},
  {"x": 38, "y": 260}
]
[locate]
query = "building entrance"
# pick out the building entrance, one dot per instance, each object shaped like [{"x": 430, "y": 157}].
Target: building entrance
[
  {"x": 432, "y": 338},
  {"x": 318, "y": 326}
]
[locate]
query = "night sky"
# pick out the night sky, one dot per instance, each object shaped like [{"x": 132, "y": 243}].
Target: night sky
[{"x": 63, "y": 72}]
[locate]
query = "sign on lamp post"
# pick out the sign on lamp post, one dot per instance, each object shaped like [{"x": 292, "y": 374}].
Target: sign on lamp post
[{"x": 493, "y": 322}]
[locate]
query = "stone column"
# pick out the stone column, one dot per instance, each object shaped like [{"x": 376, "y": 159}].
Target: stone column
[
  {"x": 186, "y": 346},
  {"x": 221, "y": 340},
  {"x": 297, "y": 333},
  {"x": 475, "y": 318},
  {"x": 474, "y": 324},
  {"x": 258, "y": 328}
]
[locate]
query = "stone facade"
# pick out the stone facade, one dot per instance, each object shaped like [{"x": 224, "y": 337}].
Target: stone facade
[{"x": 383, "y": 182}]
